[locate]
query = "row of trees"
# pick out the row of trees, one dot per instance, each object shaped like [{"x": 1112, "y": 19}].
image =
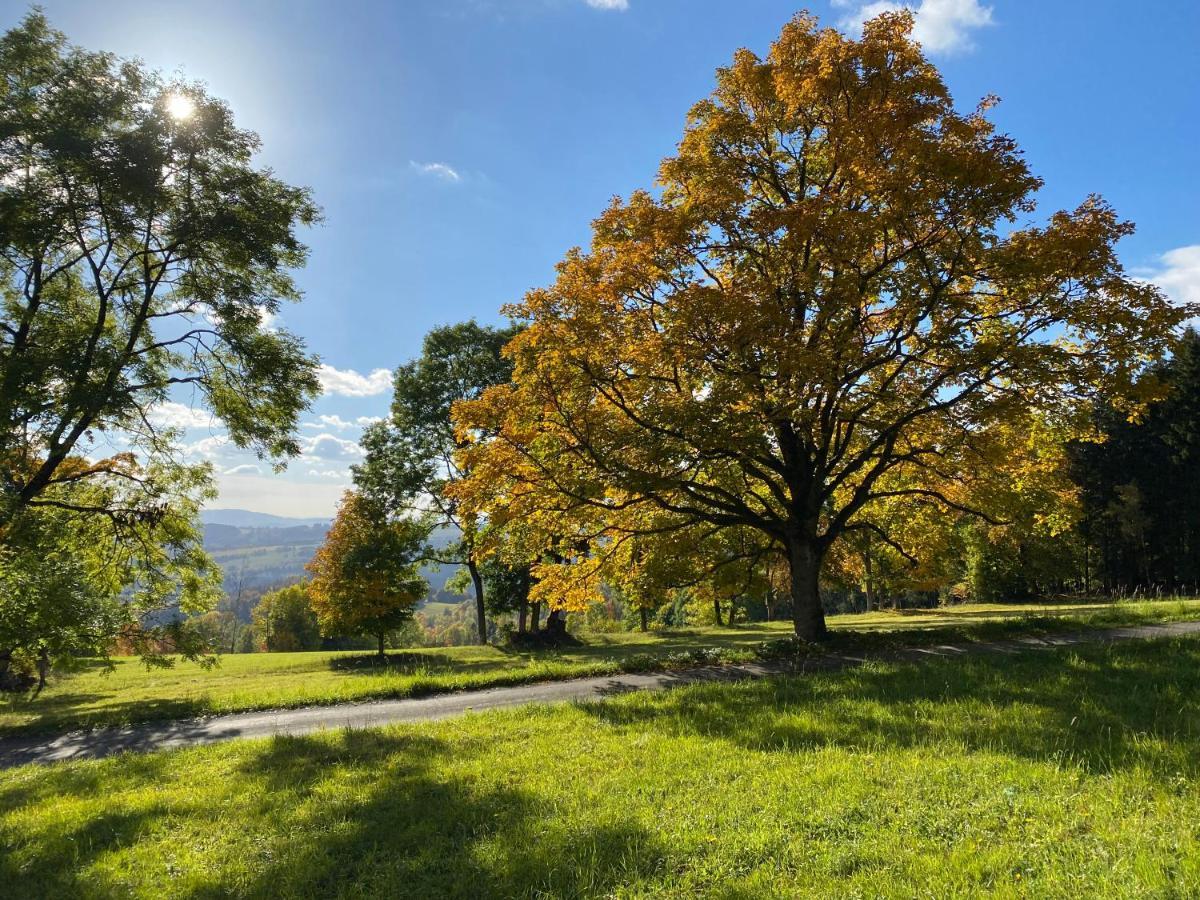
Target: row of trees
[{"x": 1140, "y": 488}]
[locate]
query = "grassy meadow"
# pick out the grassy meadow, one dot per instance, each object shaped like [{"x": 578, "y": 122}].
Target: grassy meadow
[
  {"x": 95, "y": 696},
  {"x": 1065, "y": 773}
]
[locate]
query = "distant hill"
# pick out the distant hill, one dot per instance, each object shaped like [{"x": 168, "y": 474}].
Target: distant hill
[
  {"x": 244, "y": 518},
  {"x": 259, "y": 551},
  {"x": 227, "y": 537}
]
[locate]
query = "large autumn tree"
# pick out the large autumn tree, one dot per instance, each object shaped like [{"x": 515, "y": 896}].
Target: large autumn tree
[{"x": 828, "y": 304}]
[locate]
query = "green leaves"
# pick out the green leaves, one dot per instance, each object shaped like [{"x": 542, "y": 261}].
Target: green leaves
[
  {"x": 411, "y": 458},
  {"x": 113, "y": 558},
  {"x": 139, "y": 251}
]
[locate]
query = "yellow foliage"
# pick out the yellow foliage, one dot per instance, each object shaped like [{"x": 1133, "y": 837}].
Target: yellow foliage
[{"x": 823, "y": 323}]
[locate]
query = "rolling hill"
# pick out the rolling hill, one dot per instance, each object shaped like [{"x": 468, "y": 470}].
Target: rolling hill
[{"x": 258, "y": 551}]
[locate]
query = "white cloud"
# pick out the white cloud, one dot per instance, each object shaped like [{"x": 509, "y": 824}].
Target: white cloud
[
  {"x": 331, "y": 448},
  {"x": 436, "y": 170},
  {"x": 348, "y": 383},
  {"x": 941, "y": 26},
  {"x": 335, "y": 474},
  {"x": 179, "y": 415},
  {"x": 244, "y": 469},
  {"x": 337, "y": 423},
  {"x": 208, "y": 447},
  {"x": 619, "y": 5},
  {"x": 1179, "y": 274}
]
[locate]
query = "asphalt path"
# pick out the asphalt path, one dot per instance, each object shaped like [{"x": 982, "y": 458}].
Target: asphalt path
[{"x": 168, "y": 735}]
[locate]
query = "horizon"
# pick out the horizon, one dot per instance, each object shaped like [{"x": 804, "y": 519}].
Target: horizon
[{"x": 436, "y": 134}]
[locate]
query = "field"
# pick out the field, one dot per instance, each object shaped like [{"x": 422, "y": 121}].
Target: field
[
  {"x": 131, "y": 693},
  {"x": 1064, "y": 773}
]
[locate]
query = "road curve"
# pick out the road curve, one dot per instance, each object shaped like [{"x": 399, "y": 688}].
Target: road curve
[{"x": 151, "y": 736}]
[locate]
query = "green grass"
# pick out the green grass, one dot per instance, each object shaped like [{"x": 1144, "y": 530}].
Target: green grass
[
  {"x": 131, "y": 693},
  {"x": 1066, "y": 773}
]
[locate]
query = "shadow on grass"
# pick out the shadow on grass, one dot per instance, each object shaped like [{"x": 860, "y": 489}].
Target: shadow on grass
[
  {"x": 400, "y": 663},
  {"x": 1098, "y": 708},
  {"x": 406, "y": 814},
  {"x": 411, "y": 829},
  {"x": 72, "y": 710}
]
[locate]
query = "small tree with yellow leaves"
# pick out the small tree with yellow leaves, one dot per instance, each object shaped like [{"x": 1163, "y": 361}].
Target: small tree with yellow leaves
[{"x": 364, "y": 577}]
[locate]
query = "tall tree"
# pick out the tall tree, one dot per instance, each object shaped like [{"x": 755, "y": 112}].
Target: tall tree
[
  {"x": 825, "y": 306},
  {"x": 140, "y": 251},
  {"x": 364, "y": 577},
  {"x": 411, "y": 458}
]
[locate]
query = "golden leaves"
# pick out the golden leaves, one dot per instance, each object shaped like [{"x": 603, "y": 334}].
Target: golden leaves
[{"x": 820, "y": 315}]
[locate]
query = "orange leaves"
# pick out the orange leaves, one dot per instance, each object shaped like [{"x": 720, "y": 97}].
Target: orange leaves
[
  {"x": 821, "y": 315},
  {"x": 363, "y": 579}
]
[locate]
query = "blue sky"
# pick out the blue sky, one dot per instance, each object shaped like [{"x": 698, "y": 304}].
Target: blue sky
[{"x": 459, "y": 147}]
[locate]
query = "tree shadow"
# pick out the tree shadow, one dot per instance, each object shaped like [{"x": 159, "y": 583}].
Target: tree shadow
[
  {"x": 372, "y": 813},
  {"x": 422, "y": 833},
  {"x": 138, "y": 737},
  {"x": 399, "y": 663},
  {"x": 59, "y": 713},
  {"x": 1097, "y": 708}
]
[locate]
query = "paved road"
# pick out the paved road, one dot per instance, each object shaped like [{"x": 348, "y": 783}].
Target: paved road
[{"x": 192, "y": 732}]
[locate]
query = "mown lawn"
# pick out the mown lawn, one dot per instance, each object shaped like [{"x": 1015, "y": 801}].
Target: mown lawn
[
  {"x": 131, "y": 693},
  {"x": 1067, "y": 773}
]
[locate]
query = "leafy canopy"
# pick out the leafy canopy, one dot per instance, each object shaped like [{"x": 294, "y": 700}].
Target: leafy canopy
[
  {"x": 364, "y": 577},
  {"x": 77, "y": 585},
  {"x": 284, "y": 621},
  {"x": 831, "y": 303},
  {"x": 140, "y": 250}
]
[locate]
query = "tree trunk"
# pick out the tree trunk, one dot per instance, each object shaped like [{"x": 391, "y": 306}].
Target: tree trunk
[
  {"x": 643, "y": 614},
  {"x": 804, "y": 568},
  {"x": 535, "y": 617},
  {"x": 382, "y": 654},
  {"x": 556, "y": 623},
  {"x": 717, "y": 611},
  {"x": 480, "y": 611},
  {"x": 522, "y": 615},
  {"x": 872, "y": 600},
  {"x": 43, "y": 669}
]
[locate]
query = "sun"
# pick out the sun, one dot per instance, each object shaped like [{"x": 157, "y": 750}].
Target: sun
[{"x": 180, "y": 106}]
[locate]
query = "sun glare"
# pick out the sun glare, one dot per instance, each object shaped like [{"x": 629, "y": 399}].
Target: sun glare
[{"x": 180, "y": 106}]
